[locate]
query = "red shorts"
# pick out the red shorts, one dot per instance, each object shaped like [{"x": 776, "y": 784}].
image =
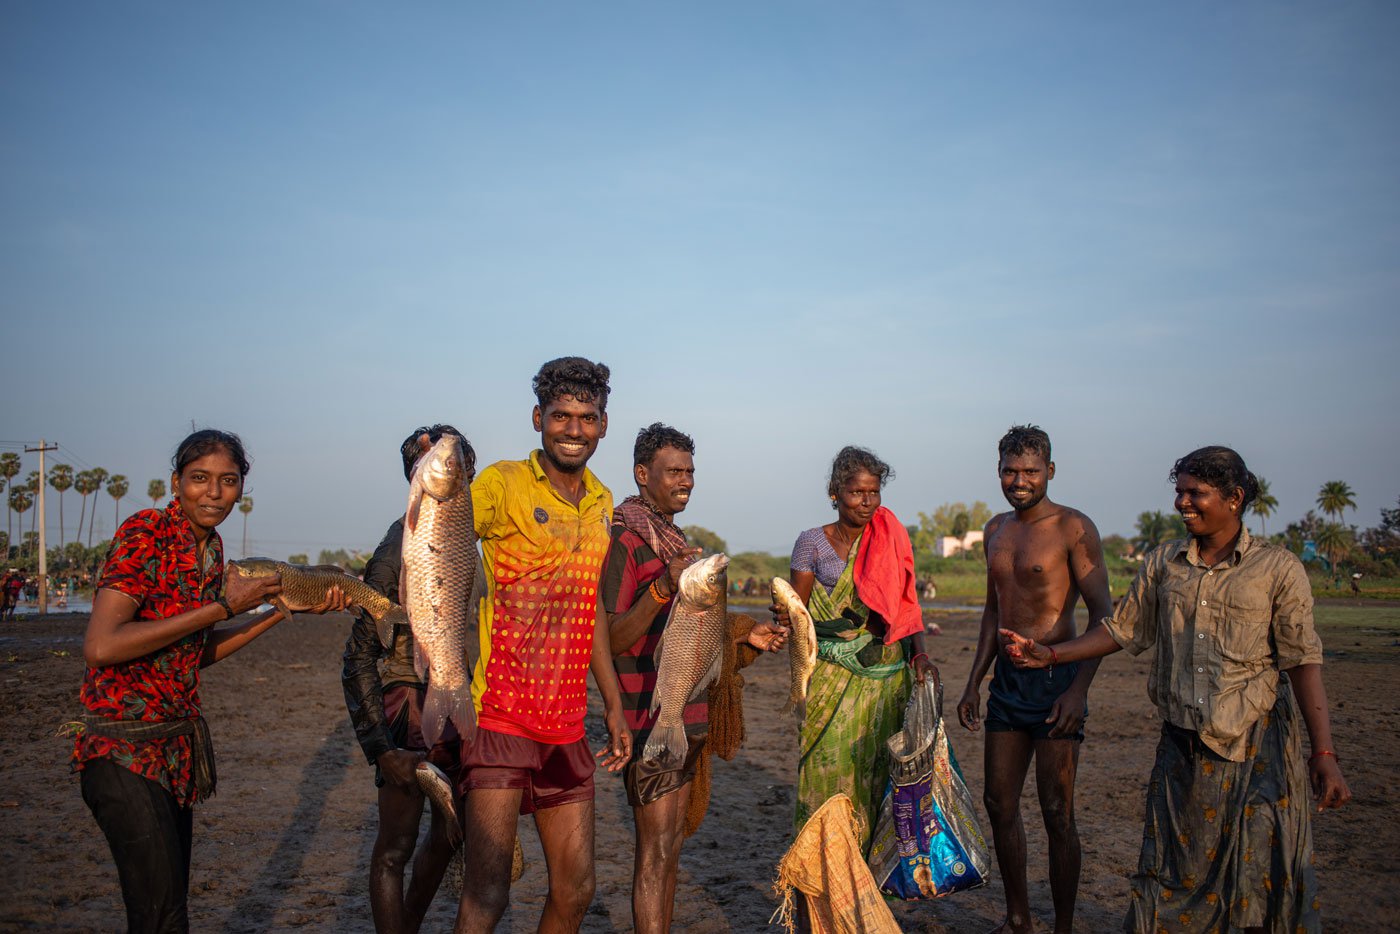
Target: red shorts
[{"x": 549, "y": 775}]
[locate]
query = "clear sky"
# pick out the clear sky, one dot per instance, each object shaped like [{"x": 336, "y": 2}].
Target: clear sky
[{"x": 785, "y": 226}]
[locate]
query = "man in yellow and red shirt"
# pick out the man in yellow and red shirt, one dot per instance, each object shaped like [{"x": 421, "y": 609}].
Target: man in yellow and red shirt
[{"x": 543, "y": 524}]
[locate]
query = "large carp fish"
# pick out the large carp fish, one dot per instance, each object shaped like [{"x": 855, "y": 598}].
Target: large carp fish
[
  {"x": 304, "y": 587},
  {"x": 802, "y": 645},
  {"x": 436, "y": 584},
  {"x": 689, "y": 656}
]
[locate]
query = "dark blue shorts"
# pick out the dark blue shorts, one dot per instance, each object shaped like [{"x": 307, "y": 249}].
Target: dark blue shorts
[{"x": 1020, "y": 699}]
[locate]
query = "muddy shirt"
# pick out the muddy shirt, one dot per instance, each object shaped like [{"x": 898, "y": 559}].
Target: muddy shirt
[
  {"x": 1222, "y": 634},
  {"x": 543, "y": 558}
]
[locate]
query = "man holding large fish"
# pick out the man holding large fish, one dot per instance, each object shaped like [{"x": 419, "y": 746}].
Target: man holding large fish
[
  {"x": 384, "y": 693},
  {"x": 648, "y": 559},
  {"x": 543, "y": 525}
]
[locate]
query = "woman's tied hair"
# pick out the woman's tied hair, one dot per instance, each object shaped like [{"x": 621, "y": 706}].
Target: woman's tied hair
[
  {"x": 206, "y": 441},
  {"x": 1221, "y": 468},
  {"x": 410, "y": 450},
  {"x": 1024, "y": 439},
  {"x": 583, "y": 379},
  {"x": 850, "y": 461},
  {"x": 656, "y": 436}
]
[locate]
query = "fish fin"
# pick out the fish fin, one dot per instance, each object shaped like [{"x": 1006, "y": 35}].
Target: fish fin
[
  {"x": 420, "y": 663},
  {"x": 800, "y": 708},
  {"x": 281, "y": 605},
  {"x": 415, "y": 503},
  {"x": 709, "y": 678},
  {"x": 666, "y": 744},
  {"x": 788, "y": 706},
  {"x": 384, "y": 625}
]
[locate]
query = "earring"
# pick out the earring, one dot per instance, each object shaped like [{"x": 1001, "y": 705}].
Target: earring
[{"x": 833, "y": 502}]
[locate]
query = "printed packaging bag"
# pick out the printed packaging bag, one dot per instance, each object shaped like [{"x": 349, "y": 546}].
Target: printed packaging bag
[{"x": 927, "y": 842}]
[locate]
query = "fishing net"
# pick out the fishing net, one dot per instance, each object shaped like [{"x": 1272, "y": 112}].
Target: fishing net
[{"x": 824, "y": 863}]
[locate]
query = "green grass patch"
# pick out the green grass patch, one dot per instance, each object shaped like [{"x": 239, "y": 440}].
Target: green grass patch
[{"x": 1381, "y": 616}]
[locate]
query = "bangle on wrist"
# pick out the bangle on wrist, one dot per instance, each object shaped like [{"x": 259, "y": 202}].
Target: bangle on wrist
[
  {"x": 1324, "y": 752},
  {"x": 656, "y": 593},
  {"x": 917, "y": 656},
  {"x": 1054, "y": 656},
  {"x": 223, "y": 602}
]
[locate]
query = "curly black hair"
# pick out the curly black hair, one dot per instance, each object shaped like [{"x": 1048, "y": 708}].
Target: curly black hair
[
  {"x": 1220, "y": 467},
  {"x": 207, "y": 441},
  {"x": 583, "y": 379},
  {"x": 656, "y": 436},
  {"x": 410, "y": 450},
  {"x": 1024, "y": 439},
  {"x": 850, "y": 461}
]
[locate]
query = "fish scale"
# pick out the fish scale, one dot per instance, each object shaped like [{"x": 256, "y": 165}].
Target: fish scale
[
  {"x": 436, "y": 583},
  {"x": 690, "y": 655}
]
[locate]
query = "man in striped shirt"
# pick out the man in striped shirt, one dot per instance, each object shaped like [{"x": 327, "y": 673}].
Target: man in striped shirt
[{"x": 640, "y": 579}]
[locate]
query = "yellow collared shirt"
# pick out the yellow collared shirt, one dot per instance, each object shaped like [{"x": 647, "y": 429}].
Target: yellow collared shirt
[{"x": 544, "y": 557}]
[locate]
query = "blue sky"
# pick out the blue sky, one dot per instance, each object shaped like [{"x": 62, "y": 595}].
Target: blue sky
[{"x": 785, "y": 226}]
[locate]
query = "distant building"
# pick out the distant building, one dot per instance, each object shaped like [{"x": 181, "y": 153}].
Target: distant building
[{"x": 947, "y": 545}]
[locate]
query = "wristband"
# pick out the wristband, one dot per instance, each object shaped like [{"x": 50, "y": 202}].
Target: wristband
[
  {"x": 1325, "y": 752},
  {"x": 223, "y": 602},
  {"x": 1054, "y": 658},
  {"x": 918, "y": 656},
  {"x": 656, "y": 593}
]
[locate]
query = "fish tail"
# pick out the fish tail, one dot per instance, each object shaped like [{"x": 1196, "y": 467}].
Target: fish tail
[
  {"x": 384, "y": 625},
  {"x": 666, "y": 743},
  {"x": 442, "y": 705}
]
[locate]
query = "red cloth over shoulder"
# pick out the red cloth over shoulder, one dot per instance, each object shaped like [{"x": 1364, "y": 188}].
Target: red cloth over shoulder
[{"x": 884, "y": 575}]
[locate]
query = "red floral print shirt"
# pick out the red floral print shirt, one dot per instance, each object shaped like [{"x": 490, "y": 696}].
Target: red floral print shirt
[{"x": 153, "y": 561}]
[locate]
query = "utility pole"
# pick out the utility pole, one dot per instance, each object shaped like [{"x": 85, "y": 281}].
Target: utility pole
[{"x": 43, "y": 538}]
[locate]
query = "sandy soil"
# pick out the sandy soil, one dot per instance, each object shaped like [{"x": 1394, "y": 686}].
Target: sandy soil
[{"x": 286, "y": 842}]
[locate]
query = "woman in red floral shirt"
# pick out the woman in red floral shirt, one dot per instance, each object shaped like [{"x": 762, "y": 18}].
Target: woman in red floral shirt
[{"x": 143, "y": 748}]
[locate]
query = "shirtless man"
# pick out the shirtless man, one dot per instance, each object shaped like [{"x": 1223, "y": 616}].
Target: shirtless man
[{"x": 1040, "y": 557}]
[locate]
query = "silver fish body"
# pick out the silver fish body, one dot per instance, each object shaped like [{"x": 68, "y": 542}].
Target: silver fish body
[
  {"x": 440, "y": 567},
  {"x": 690, "y": 655},
  {"x": 802, "y": 645},
  {"x": 436, "y": 786},
  {"x": 304, "y": 587}
]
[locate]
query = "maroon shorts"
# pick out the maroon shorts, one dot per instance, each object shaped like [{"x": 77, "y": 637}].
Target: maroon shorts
[
  {"x": 403, "y": 711},
  {"x": 549, "y": 775}
]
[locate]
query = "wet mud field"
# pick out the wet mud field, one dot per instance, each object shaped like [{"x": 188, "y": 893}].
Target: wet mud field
[{"x": 286, "y": 841}]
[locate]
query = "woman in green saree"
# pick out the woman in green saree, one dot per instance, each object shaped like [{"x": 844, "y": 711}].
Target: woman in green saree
[{"x": 858, "y": 691}]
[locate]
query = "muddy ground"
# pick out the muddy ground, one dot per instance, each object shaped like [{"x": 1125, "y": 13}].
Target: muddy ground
[{"x": 286, "y": 842}]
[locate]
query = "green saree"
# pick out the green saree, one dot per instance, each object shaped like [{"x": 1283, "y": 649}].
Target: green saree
[{"x": 854, "y": 703}]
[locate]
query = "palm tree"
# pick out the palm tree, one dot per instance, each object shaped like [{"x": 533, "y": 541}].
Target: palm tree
[
  {"x": 20, "y": 501},
  {"x": 1335, "y": 497},
  {"x": 99, "y": 477},
  {"x": 117, "y": 487},
  {"x": 960, "y": 525},
  {"x": 1334, "y": 540},
  {"x": 245, "y": 506},
  {"x": 61, "y": 479},
  {"x": 32, "y": 484},
  {"x": 84, "y": 485},
  {"x": 1264, "y": 505},
  {"x": 155, "y": 492},
  {"x": 9, "y": 469}
]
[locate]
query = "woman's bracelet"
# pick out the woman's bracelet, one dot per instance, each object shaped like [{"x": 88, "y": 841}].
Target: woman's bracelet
[
  {"x": 919, "y": 655},
  {"x": 1324, "y": 752},
  {"x": 656, "y": 593},
  {"x": 223, "y": 602}
]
